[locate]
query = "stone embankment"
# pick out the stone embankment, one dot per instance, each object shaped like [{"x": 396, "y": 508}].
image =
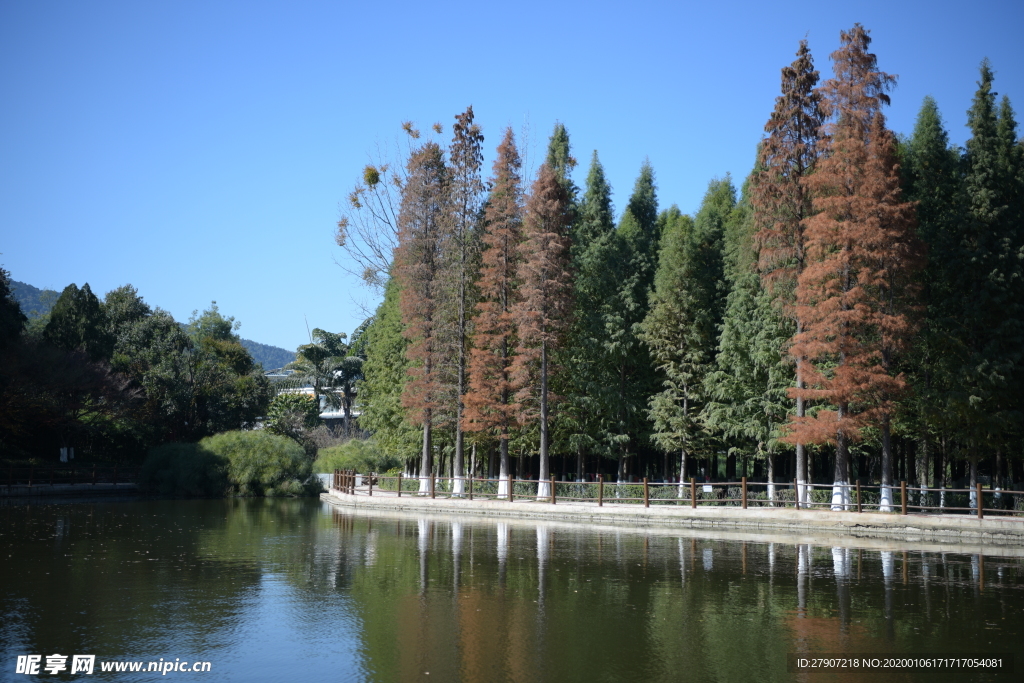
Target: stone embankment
[{"x": 1002, "y": 530}]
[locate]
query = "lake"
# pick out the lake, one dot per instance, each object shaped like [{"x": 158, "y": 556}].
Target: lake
[{"x": 281, "y": 590}]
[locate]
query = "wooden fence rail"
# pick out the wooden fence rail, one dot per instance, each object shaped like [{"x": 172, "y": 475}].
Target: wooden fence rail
[{"x": 854, "y": 497}]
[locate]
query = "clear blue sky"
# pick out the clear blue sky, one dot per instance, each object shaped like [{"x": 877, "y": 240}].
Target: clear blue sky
[{"x": 200, "y": 150}]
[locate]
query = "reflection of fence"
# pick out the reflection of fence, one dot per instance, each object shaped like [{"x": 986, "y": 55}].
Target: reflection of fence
[
  {"x": 850, "y": 497},
  {"x": 53, "y": 475}
]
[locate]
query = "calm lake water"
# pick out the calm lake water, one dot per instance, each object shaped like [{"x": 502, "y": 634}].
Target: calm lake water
[{"x": 283, "y": 590}]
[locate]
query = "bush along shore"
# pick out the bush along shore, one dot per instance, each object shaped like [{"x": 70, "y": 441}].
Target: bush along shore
[{"x": 235, "y": 463}]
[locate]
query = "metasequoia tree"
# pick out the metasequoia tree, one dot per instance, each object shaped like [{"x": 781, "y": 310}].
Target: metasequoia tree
[
  {"x": 543, "y": 312},
  {"x": 933, "y": 179},
  {"x": 682, "y": 326},
  {"x": 489, "y": 406},
  {"x": 781, "y": 200},
  {"x": 581, "y": 423},
  {"x": 747, "y": 391},
  {"x": 460, "y": 256},
  {"x": 853, "y": 296},
  {"x": 422, "y": 221},
  {"x": 627, "y": 359},
  {"x": 991, "y": 276}
]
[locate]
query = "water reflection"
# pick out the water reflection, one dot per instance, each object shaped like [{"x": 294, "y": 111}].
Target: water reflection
[
  {"x": 389, "y": 597},
  {"x": 547, "y": 593}
]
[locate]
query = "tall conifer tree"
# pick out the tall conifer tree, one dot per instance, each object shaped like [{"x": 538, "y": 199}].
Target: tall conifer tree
[
  {"x": 682, "y": 326},
  {"x": 542, "y": 314},
  {"x": 422, "y": 223},
  {"x": 855, "y": 291},
  {"x": 781, "y": 200},
  {"x": 933, "y": 179},
  {"x": 580, "y": 421},
  {"x": 747, "y": 390},
  {"x": 489, "y": 406},
  {"x": 991, "y": 276},
  {"x": 460, "y": 264}
]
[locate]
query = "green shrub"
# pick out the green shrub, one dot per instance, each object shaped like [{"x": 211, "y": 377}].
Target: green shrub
[
  {"x": 184, "y": 469},
  {"x": 263, "y": 464},
  {"x": 355, "y": 454}
]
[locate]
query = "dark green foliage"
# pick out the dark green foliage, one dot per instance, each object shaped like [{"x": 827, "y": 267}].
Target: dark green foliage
[
  {"x": 291, "y": 414},
  {"x": 12, "y": 320},
  {"x": 686, "y": 310},
  {"x": 78, "y": 322},
  {"x": 263, "y": 464},
  {"x": 560, "y": 160},
  {"x": 384, "y": 375},
  {"x": 933, "y": 178},
  {"x": 231, "y": 463},
  {"x": 596, "y": 216},
  {"x": 184, "y": 469},
  {"x": 746, "y": 390},
  {"x": 986, "y": 278},
  {"x": 611, "y": 374}
]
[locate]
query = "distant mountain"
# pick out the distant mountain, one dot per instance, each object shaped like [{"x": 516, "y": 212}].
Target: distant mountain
[
  {"x": 35, "y": 302},
  {"x": 271, "y": 357}
]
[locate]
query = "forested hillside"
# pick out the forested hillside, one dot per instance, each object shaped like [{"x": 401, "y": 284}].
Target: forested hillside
[
  {"x": 36, "y": 303},
  {"x": 852, "y": 309}
]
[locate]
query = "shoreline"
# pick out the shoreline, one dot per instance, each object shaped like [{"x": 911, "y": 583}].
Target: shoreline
[
  {"x": 1005, "y": 531},
  {"x": 21, "y": 491}
]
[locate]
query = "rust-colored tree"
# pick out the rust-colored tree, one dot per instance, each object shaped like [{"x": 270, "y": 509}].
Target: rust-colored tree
[
  {"x": 422, "y": 221},
  {"x": 460, "y": 256},
  {"x": 855, "y": 293},
  {"x": 489, "y": 406},
  {"x": 543, "y": 313},
  {"x": 781, "y": 199}
]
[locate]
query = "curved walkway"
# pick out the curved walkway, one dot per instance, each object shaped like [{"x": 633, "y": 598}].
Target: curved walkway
[{"x": 1007, "y": 531}]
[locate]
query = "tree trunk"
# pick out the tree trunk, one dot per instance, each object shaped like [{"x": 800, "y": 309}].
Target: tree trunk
[
  {"x": 997, "y": 478},
  {"x": 770, "y": 462},
  {"x": 579, "y": 463},
  {"x": 974, "y": 478},
  {"x": 841, "y": 473},
  {"x": 885, "y": 504},
  {"x": 503, "y": 468},
  {"x": 426, "y": 460},
  {"x": 922, "y": 472},
  {"x": 802, "y": 469},
  {"x": 682, "y": 471},
  {"x": 543, "y": 476},
  {"x": 458, "y": 465}
]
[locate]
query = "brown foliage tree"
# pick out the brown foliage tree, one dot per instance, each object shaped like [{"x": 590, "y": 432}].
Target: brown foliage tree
[
  {"x": 489, "y": 406},
  {"x": 854, "y": 295},
  {"x": 543, "y": 313},
  {"x": 781, "y": 199},
  {"x": 422, "y": 222}
]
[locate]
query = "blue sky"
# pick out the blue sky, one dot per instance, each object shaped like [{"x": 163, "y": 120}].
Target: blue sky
[{"x": 200, "y": 150}]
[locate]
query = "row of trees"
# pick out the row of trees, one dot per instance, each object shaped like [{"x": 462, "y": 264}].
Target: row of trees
[
  {"x": 858, "y": 305},
  {"x": 110, "y": 378}
]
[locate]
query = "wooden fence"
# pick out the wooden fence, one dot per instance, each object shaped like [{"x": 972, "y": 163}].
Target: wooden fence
[{"x": 744, "y": 494}]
